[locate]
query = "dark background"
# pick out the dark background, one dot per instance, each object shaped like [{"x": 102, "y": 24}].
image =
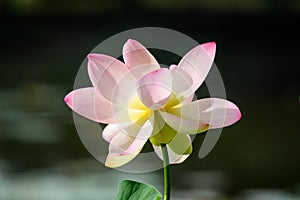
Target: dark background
[{"x": 43, "y": 43}]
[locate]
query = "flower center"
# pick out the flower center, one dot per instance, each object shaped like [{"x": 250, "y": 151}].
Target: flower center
[
  {"x": 137, "y": 111},
  {"x": 172, "y": 102}
]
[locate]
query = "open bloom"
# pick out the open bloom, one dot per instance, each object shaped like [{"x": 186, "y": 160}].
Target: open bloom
[{"x": 141, "y": 101}]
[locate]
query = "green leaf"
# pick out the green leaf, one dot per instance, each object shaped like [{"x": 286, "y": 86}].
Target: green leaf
[{"x": 132, "y": 190}]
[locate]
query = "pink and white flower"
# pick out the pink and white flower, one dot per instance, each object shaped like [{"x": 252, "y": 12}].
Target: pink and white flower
[{"x": 141, "y": 101}]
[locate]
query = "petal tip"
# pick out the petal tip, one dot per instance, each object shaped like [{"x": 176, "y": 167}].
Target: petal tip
[
  {"x": 114, "y": 161},
  {"x": 173, "y": 66},
  {"x": 237, "y": 117},
  {"x": 91, "y": 56},
  {"x": 212, "y": 43},
  {"x": 96, "y": 56},
  {"x": 131, "y": 41},
  {"x": 68, "y": 99},
  {"x": 109, "y": 164},
  {"x": 239, "y": 114},
  {"x": 132, "y": 45},
  {"x": 210, "y": 48}
]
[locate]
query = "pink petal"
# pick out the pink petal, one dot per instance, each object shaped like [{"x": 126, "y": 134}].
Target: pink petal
[
  {"x": 181, "y": 82},
  {"x": 172, "y": 67},
  {"x": 124, "y": 142},
  {"x": 192, "y": 69},
  {"x": 210, "y": 48},
  {"x": 106, "y": 73},
  {"x": 139, "y": 60},
  {"x": 154, "y": 89},
  {"x": 110, "y": 131},
  {"x": 114, "y": 161},
  {"x": 184, "y": 125},
  {"x": 215, "y": 112},
  {"x": 173, "y": 157},
  {"x": 88, "y": 103},
  {"x": 186, "y": 82}
]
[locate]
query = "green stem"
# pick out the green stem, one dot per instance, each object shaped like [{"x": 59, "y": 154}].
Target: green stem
[{"x": 167, "y": 186}]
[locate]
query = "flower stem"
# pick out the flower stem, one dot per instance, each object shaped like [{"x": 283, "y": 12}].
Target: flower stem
[{"x": 167, "y": 186}]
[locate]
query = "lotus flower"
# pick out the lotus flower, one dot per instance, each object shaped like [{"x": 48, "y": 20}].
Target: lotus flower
[{"x": 141, "y": 101}]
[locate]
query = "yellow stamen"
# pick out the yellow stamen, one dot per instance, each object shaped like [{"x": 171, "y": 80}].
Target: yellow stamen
[{"x": 137, "y": 111}]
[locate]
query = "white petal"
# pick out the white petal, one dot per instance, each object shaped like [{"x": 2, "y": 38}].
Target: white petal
[
  {"x": 114, "y": 161},
  {"x": 130, "y": 139},
  {"x": 173, "y": 157}
]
